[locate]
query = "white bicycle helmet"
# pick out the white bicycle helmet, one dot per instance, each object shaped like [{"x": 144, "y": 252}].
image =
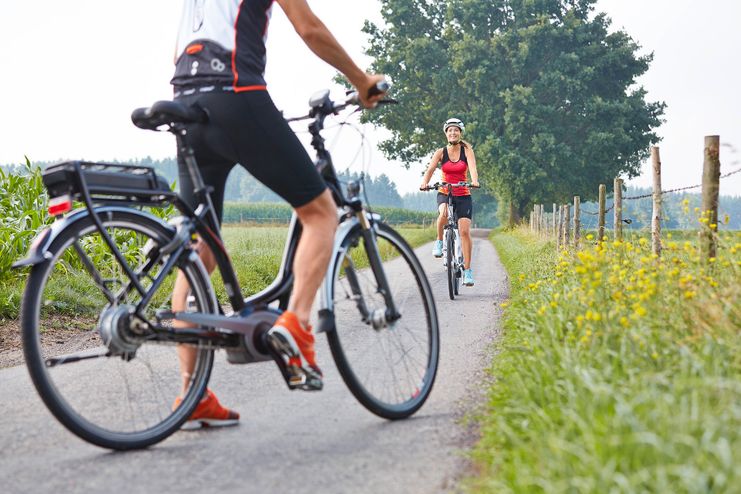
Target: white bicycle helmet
[{"x": 454, "y": 122}]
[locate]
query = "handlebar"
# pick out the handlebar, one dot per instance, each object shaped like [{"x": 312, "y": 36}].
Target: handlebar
[
  {"x": 322, "y": 106},
  {"x": 439, "y": 185}
]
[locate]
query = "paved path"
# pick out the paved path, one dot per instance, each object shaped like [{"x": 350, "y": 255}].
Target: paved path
[{"x": 288, "y": 441}]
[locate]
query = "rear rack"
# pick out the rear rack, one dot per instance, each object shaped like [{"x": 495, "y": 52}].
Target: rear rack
[{"x": 107, "y": 183}]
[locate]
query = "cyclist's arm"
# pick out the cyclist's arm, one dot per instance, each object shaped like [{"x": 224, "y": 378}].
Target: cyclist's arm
[
  {"x": 318, "y": 38},
  {"x": 431, "y": 169},
  {"x": 472, "y": 167}
]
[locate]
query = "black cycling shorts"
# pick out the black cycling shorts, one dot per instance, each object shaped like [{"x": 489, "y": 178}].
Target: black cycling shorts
[
  {"x": 247, "y": 129},
  {"x": 463, "y": 205}
]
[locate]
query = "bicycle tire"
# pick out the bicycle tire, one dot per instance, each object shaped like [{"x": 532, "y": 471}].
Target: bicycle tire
[
  {"x": 404, "y": 354},
  {"x": 450, "y": 239},
  {"x": 83, "y": 398}
]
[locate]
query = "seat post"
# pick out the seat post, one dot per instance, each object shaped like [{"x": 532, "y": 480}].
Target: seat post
[{"x": 201, "y": 191}]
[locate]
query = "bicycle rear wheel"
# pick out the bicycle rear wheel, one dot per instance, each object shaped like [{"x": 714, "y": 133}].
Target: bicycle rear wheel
[
  {"x": 452, "y": 265},
  {"x": 390, "y": 368},
  {"x": 75, "y": 303}
]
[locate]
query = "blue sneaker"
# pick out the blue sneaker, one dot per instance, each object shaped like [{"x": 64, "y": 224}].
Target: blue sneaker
[
  {"x": 437, "y": 248},
  {"x": 468, "y": 277}
]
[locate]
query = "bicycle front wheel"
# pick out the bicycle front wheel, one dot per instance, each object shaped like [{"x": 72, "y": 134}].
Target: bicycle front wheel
[
  {"x": 451, "y": 261},
  {"x": 389, "y": 367},
  {"x": 106, "y": 384}
]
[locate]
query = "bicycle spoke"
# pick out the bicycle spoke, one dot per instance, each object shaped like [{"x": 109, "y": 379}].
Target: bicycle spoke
[
  {"x": 93, "y": 272},
  {"x": 390, "y": 369}
]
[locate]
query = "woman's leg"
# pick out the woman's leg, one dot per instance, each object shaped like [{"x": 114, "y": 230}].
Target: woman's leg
[
  {"x": 187, "y": 353},
  {"x": 319, "y": 223},
  {"x": 442, "y": 219},
  {"x": 464, "y": 228}
]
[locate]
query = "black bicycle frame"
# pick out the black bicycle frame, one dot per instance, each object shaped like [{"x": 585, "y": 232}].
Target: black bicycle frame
[{"x": 204, "y": 221}]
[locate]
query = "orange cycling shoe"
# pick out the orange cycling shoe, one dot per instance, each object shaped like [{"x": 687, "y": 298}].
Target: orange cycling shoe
[
  {"x": 209, "y": 413},
  {"x": 292, "y": 347}
]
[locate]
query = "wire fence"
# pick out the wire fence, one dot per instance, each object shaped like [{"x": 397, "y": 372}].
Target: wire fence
[
  {"x": 559, "y": 223},
  {"x": 650, "y": 194}
]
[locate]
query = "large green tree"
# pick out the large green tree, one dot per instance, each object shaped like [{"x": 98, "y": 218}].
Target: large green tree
[{"x": 548, "y": 95}]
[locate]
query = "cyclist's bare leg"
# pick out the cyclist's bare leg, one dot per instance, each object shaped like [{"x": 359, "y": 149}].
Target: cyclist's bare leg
[
  {"x": 464, "y": 228},
  {"x": 442, "y": 219},
  {"x": 187, "y": 353},
  {"x": 319, "y": 222}
]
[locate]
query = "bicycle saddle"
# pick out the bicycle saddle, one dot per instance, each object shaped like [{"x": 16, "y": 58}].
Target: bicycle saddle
[{"x": 167, "y": 113}]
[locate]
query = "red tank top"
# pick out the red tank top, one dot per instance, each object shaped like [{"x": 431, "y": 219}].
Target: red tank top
[{"x": 454, "y": 172}]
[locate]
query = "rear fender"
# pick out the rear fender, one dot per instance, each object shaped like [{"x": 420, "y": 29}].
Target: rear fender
[{"x": 38, "y": 252}]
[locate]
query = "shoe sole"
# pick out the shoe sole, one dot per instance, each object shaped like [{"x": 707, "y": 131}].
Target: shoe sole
[
  {"x": 194, "y": 425},
  {"x": 284, "y": 352}
]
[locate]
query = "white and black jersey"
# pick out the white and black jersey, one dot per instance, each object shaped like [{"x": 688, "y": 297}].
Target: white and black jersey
[{"x": 221, "y": 45}]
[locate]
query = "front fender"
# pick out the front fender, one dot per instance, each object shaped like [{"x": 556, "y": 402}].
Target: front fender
[{"x": 38, "y": 252}]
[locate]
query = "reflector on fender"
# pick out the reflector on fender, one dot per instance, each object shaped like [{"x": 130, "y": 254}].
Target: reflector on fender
[{"x": 60, "y": 205}]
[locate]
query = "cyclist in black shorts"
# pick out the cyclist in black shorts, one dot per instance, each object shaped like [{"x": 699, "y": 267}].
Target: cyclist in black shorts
[
  {"x": 220, "y": 66},
  {"x": 457, "y": 160}
]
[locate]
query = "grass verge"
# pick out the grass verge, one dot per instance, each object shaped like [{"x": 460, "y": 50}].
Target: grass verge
[{"x": 617, "y": 372}]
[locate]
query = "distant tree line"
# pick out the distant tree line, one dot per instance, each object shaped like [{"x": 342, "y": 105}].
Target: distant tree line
[{"x": 241, "y": 187}]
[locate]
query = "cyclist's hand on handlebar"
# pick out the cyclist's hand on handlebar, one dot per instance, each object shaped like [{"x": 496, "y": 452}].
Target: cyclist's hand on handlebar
[
  {"x": 423, "y": 186},
  {"x": 475, "y": 184},
  {"x": 370, "y": 90}
]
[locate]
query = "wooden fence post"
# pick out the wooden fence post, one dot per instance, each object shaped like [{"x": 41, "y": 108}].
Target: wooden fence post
[
  {"x": 559, "y": 229},
  {"x": 656, "y": 214},
  {"x": 710, "y": 191},
  {"x": 577, "y": 221},
  {"x": 601, "y": 228},
  {"x": 543, "y": 223},
  {"x": 553, "y": 220},
  {"x": 618, "y": 209},
  {"x": 567, "y": 225}
]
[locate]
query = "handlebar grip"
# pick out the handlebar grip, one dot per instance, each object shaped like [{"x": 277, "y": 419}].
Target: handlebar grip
[{"x": 380, "y": 88}]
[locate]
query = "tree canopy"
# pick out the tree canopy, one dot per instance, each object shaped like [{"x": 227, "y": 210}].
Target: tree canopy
[{"x": 548, "y": 95}]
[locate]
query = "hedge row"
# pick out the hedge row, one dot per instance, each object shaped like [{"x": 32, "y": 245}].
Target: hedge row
[{"x": 239, "y": 212}]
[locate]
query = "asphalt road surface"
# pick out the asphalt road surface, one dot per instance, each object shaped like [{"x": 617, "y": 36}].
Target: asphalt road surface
[{"x": 287, "y": 441}]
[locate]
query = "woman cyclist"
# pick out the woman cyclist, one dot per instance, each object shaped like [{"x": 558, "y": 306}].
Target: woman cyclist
[{"x": 457, "y": 161}]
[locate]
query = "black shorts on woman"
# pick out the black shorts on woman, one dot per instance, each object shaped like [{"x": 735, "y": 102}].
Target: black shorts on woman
[
  {"x": 246, "y": 128},
  {"x": 463, "y": 205}
]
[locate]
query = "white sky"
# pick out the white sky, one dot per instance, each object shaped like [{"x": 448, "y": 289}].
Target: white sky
[{"x": 74, "y": 70}]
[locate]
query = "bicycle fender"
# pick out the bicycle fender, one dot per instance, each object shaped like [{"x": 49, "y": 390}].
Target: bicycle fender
[
  {"x": 38, "y": 252},
  {"x": 341, "y": 244}
]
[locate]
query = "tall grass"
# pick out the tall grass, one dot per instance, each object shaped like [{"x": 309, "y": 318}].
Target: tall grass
[
  {"x": 618, "y": 372},
  {"x": 23, "y": 214}
]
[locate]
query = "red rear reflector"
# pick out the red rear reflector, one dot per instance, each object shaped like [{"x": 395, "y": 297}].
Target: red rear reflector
[
  {"x": 193, "y": 49},
  {"x": 60, "y": 205}
]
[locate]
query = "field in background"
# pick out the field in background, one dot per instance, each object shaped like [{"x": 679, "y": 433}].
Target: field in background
[{"x": 255, "y": 251}]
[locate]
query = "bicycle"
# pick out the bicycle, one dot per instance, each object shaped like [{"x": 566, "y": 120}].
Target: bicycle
[
  {"x": 105, "y": 272},
  {"x": 452, "y": 251}
]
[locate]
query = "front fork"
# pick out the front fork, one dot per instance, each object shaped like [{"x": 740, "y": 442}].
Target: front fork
[{"x": 376, "y": 264}]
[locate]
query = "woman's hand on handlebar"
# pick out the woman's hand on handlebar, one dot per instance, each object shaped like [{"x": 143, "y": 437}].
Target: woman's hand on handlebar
[{"x": 370, "y": 90}]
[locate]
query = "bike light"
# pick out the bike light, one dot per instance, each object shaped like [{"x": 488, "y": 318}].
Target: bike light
[{"x": 60, "y": 205}]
